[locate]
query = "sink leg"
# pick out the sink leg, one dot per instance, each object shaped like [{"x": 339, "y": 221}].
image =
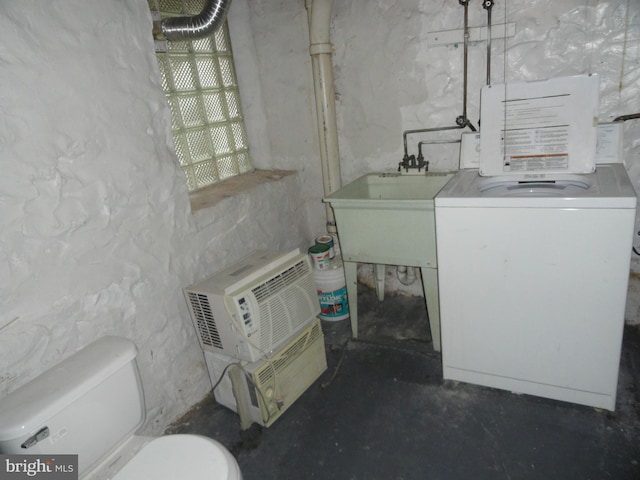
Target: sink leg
[
  {"x": 351, "y": 278},
  {"x": 379, "y": 272},
  {"x": 430, "y": 285}
]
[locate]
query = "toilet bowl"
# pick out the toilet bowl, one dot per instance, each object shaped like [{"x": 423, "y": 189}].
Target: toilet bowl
[
  {"x": 91, "y": 405},
  {"x": 192, "y": 457}
]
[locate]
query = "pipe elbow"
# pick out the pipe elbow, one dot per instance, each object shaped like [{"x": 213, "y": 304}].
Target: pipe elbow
[
  {"x": 406, "y": 275},
  {"x": 320, "y": 21},
  {"x": 198, "y": 26}
]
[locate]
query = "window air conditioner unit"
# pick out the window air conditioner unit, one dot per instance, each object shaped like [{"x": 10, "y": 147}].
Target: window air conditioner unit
[
  {"x": 252, "y": 308},
  {"x": 262, "y": 391}
]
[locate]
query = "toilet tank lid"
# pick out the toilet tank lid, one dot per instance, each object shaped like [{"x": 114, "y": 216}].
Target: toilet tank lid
[{"x": 34, "y": 403}]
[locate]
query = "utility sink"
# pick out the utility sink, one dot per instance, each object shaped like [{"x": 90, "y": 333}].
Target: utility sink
[{"x": 389, "y": 219}]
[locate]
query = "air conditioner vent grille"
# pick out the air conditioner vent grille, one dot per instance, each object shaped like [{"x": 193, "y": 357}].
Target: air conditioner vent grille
[
  {"x": 279, "y": 362},
  {"x": 280, "y": 281},
  {"x": 279, "y": 327},
  {"x": 205, "y": 323},
  {"x": 289, "y": 310}
]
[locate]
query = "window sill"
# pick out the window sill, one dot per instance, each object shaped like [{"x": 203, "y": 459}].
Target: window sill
[{"x": 214, "y": 194}]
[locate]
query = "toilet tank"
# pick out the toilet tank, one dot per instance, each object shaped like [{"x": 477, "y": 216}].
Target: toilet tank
[{"x": 85, "y": 405}]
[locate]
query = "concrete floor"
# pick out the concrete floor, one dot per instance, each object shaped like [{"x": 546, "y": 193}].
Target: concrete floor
[{"x": 382, "y": 411}]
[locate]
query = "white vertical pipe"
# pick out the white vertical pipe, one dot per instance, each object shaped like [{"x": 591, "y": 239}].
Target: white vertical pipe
[{"x": 319, "y": 17}]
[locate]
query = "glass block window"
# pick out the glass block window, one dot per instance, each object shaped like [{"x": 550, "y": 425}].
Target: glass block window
[{"x": 199, "y": 80}]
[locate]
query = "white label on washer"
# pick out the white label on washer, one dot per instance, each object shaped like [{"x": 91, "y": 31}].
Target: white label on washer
[
  {"x": 547, "y": 126},
  {"x": 536, "y": 163}
]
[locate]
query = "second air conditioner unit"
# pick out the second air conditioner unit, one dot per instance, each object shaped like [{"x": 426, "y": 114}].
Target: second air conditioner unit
[{"x": 262, "y": 391}]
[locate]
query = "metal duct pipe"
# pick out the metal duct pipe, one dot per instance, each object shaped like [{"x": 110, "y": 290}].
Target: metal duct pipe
[
  {"x": 198, "y": 26},
  {"x": 319, "y": 16}
]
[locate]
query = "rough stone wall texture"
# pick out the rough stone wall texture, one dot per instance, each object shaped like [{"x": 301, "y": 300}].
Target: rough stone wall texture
[
  {"x": 281, "y": 35},
  {"x": 390, "y": 79},
  {"x": 96, "y": 236},
  {"x": 96, "y": 233}
]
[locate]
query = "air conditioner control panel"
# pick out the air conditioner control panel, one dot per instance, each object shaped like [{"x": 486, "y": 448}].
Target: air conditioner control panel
[{"x": 245, "y": 311}]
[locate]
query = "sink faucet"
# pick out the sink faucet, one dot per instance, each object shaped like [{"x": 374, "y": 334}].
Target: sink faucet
[{"x": 410, "y": 161}]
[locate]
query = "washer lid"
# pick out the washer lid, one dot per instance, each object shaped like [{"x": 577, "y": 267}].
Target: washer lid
[
  {"x": 171, "y": 457},
  {"x": 608, "y": 187},
  {"x": 544, "y": 127}
]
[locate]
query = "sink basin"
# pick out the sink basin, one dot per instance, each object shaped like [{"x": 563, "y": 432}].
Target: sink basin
[
  {"x": 388, "y": 218},
  {"x": 393, "y": 186}
]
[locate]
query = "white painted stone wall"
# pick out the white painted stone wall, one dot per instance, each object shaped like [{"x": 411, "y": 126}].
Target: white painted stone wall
[
  {"x": 96, "y": 236},
  {"x": 390, "y": 79},
  {"x": 281, "y": 36},
  {"x": 382, "y": 54},
  {"x": 96, "y": 233}
]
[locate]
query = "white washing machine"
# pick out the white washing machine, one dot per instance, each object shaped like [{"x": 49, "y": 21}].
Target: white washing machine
[{"x": 533, "y": 272}]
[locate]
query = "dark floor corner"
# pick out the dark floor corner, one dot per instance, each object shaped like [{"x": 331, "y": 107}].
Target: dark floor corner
[{"x": 382, "y": 411}]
